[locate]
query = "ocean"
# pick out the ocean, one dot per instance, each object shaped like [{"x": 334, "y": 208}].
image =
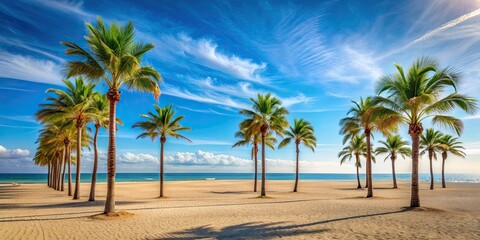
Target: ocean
[{"x": 152, "y": 177}]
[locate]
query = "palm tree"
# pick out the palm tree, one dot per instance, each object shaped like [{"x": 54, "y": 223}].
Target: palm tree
[
  {"x": 161, "y": 124},
  {"x": 429, "y": 142},
  {"x": 366, "y": 115},
  {"x": 74, "y": 105},
  {"x": 356, "y": 148},
  {"x": 267, "y": 115},
  {"x": 418, "y": 95},
  {"x": 100, "y": 106},
  {"x": 449, "y": 144},
  {"x": 114, "y": 57},
  {"x": 246, "y": 138},
  {"x": 301, "y": 132},
  {"x": 393, "y": 147}
]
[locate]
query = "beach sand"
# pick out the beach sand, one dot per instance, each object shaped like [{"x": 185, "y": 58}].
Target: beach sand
[{"x": 229, "y": 209}]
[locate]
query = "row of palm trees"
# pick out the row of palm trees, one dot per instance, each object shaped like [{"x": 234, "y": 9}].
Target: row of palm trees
[
  {"x": 432, "y": 142},
  {"x": 65, "y": 117},
  {"x": 408, "y": 98},
  {"x": 265, "y": 119}
]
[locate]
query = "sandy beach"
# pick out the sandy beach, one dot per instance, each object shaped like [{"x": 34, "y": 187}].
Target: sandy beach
[{"x": 228, "y": 209}]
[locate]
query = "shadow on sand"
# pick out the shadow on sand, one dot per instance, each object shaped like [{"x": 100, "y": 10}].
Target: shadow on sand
[{"x": 255, "y": 230}]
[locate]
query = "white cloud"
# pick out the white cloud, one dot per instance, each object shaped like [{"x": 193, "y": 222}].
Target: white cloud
[
  {"x": 66, "y": 6},
  {"x": 205, "y": 52},
  {"x": 21, "y": 118},
  {"x": 27, "y": 68},
  {"x": 472, "y": 117},
  {"x": 13, "y": 153},
  {"x": 354, "y": 65}
]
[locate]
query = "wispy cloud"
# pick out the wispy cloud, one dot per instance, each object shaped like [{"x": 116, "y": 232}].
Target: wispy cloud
[
  {"x": 21, "y": 118},
  {"x": 66, "y": 6},
  {"x": 472, "y": 117},
  {"x": 21, "y": 44},
  {"x": 206, "y": 53},
  {"x": 23, "y": 67},
  {"x": 435, "y": 32},
  {"x": 210, "y": 111}
]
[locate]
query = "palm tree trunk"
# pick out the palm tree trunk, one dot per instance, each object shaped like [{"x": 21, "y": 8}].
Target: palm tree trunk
[
  {"x": 48, "y": 174},
  {"x": 60, "y": 171},
  {"x": 296, "y": 172},
  {"x": 430, "y": 156},
  {"x": 415, "y": 131},
  {"x": 444, "y": 157},
  {"x": 255, "y": 152},
  {"x": 95, "y": 165},
  {"x": 394, "y": 175},
  {"x": 113, "y": 96},
  {"x": 162, "y": 143},
  {"x": 263, "y": 192},
  {"x": 366, "y": 177},
  {"x": 359, "y": 185},
  {"x": 54, "y": 174},
  {"x": 369, "y": 164},
  {"x": 76, "y": 194},
  {"x": 69, "y": 152},
  {"x": 64, "y": 166}
]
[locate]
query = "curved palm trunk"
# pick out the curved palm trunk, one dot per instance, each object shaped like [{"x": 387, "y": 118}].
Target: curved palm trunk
[
  {"x": 54, "y": 174},
  {"x": 255, "y": 152},
  {"x": 64, "y": 167},
  {"x": 430, "y": 156},
  {"x": 394, "y": 175},
  {"x": 69, "y": 152},
  {"x": 76, "y": 194},
  {"x": 95, "y": 164},
  {"x": 263, "y": 193},
  {"x": 296, "y": 172},
  {"x": 366, "y": 177},
  {"x": 369, "y": 165},
  {"x": 60, "y": 171},
  {"x": 113, "y": 96},
  {"x": 48, "y": 174},
  {"x": 444, "y": 157},
  {"x": 357, "y": 157},
  {"x": 162, "y": 144},
  {"x": 415, "y": 131}
]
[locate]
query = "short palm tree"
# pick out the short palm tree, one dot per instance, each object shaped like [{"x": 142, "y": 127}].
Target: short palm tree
[
  {"x": 449, "y": 144},
  {"x": 429, "y": 142},
  {"x": 74, "y": 105},
  {"x": 160, "y": 124},
  {"x": 393, "y": 147},
  {"x": 356, "y": 148},
  {"x": 267, "y": 115},
  {"x": 300, "y": 132},
  {"x": 115, "y": 58},
  {"x": 367, "y": 116},
  {"x": 247, "y": 138},
  {"x": 419, "y": 94}
]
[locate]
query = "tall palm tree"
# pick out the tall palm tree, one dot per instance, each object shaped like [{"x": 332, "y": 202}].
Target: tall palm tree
[
  {"x": 393, "y": 147},
  {"x": 267, "y": 115},
  {"x": 160, "y": 124},
  {"x": 429, "y": 142},
  {"x": 421, "y": 94},
  {"x": 356, "y": 148},
  {"x": 100, "y": 106},
  {"x": 74, "y": 105},
  {"x": 449, "y": 144},
  {"x": 368, "y": 116},
  {"x": 115, "y": 58},
  {"x": 247, "y": 138},
  {"x": 301, "y": 132}
]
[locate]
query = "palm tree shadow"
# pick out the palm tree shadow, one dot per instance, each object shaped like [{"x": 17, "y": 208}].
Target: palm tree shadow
[
  {"x": 252, "y": 230},
  {"x": 257, "y": 230}
]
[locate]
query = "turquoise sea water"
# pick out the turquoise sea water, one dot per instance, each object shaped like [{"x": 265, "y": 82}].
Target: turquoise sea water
[{"x": 148, "y": 177}]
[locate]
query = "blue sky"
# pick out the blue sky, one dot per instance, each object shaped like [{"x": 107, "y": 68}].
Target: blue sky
[{"x": 315, "y": 56}]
